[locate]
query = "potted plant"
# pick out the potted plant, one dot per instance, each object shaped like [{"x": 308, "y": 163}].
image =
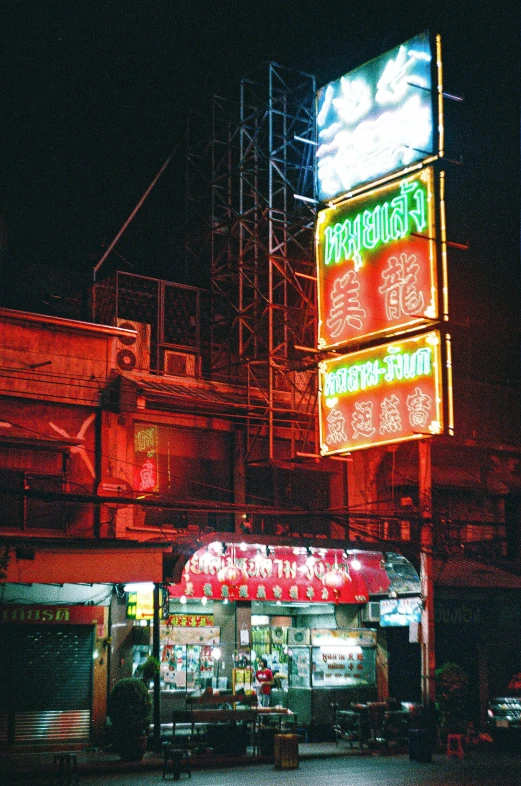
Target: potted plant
[
  {"x": 148, "y": 669},
  {"x": 129, "y": 709},
  {"x": 451, "y": 695}
]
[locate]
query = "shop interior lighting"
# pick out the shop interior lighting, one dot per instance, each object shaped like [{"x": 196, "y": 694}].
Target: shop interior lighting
[
  {"x": 204, "y": 600},
  {"x": 143, "y": 586},
  {"x": 182, "y": 599},
  {"x": 355, "y": 564}
]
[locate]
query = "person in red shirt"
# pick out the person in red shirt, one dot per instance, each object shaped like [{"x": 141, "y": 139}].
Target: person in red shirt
[{"x": 264, "y": 677}]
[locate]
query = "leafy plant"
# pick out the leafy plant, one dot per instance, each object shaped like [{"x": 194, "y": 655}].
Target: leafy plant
[
  {"x": 451, "y": 694},
  {"x": 149, "y": 669},
  {"x": 129, "y": 709}
]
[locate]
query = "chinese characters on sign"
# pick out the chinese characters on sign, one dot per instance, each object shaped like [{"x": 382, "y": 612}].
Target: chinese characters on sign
[
  {"x": 376, "y": 259},
  {"x": 145, "y": 458},
  {"x": 376, "y": 119},
  {"x": 385, "y": 394},
  {"x": 340, "y": 666}
]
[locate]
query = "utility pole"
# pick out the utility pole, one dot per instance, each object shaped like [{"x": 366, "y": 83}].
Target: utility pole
[{"x": 428, "y": 658}]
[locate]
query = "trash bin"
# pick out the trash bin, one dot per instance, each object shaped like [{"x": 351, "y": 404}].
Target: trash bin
[
  {"x": 420, "y": 745},
  {"x": 286, "y": 751}
]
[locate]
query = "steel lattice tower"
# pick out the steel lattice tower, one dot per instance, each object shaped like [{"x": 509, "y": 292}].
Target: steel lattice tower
[{"x": 260, "y": 157}]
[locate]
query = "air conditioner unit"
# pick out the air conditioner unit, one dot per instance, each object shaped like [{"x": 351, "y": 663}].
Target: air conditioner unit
[
  {"x": 133, "y": 354},
  {"x": 371, "y": 611},
  {"x": 179, "y": 364}
]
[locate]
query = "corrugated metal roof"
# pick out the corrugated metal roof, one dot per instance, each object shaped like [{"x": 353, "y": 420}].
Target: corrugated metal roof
[{"x": 461, "y": 572}]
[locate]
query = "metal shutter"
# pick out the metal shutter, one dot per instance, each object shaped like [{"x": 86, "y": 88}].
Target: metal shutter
[{"x": 49, "y": 674}]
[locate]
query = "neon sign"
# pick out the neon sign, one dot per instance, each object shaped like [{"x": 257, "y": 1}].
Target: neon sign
[
  {"x": 376, "y": 119},
  {"x": 376, "y": 260},
  {"x": 146, "y": 458},
  {"x": 377, "y": 396}
]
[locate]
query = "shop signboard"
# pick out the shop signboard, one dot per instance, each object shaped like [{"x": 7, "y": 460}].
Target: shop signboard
[
  {"x": 378, "y": 119},
  {"x": 209, "y": 636},
  {"x": 284, "y": 574},
  {"x": 354, "y": 638},
  {"x": 145, "y": 457},
  {"x": 140, "y": 604},
  {"x": 381, "y": 395},
  {"x": 30, "y": 614},
  {"x": 400, "y": 612},
  {"x": 343, "y": 666},
  {"x": 377, "y": 263}
]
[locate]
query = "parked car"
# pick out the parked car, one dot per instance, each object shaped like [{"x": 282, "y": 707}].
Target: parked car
[{"x": 504, "y": 712}]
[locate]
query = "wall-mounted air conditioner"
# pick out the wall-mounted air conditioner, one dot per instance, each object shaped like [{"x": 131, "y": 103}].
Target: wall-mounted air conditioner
[
  {"x": 133, "y": 354},
  {"x": 179, "y": 364},
  {"x": 371, "y": 611}
]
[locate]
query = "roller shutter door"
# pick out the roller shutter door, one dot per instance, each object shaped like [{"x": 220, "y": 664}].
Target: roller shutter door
[{"x": 48, "y": 680}]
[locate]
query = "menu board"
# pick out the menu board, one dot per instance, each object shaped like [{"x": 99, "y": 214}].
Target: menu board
[{"x": 334, "y": 666}]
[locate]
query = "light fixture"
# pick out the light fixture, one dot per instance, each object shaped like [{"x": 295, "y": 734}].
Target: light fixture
[
  {"x": 355, "y": 564},
  {"x": 140, "y": 586},
  {"x": 204, "y": 600},
  {"x": 182, "y": 599}
]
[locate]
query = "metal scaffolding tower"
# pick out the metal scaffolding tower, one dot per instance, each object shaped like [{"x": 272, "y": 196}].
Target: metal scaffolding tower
[{"x": 261, "y": 164}]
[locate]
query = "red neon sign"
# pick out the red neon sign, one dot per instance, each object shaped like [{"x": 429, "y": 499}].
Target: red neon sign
[
  {"x": 376, "y": 262},
  {"x": 382, "y": 395}
]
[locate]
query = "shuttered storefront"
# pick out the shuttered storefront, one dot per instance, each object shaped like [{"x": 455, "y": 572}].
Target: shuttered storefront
[{"x": 47, "y": 683}]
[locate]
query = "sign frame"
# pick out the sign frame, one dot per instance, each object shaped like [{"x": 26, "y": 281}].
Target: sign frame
[{"x": 378, "y": 272}]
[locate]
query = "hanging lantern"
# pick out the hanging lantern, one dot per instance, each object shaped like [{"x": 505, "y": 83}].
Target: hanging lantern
[
  {"x": 232, "y": 576},
  {"x": 335, "y": 580}
]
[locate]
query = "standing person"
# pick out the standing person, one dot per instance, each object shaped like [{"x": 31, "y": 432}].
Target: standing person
[{"x": 264, "y": 677}]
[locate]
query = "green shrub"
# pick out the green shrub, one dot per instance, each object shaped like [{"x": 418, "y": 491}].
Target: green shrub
[{"x": 130, "y": 708}]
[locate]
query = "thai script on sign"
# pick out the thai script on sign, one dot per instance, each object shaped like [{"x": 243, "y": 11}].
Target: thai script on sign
[
  {"x": 395, "y": 366},
  {"x": 385, "y": 223}
]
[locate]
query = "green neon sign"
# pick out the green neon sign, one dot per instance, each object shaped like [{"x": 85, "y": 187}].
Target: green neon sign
[
  {"x": 385, "y": 223},
  {"x": 395, "y": 366}
]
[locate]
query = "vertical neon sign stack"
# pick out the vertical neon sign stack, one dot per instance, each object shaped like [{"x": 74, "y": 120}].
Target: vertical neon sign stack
[{"x": 381, "y": 252}]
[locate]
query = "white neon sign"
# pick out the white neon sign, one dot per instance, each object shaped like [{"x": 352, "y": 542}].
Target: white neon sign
[{"x": 376, "y": 120}]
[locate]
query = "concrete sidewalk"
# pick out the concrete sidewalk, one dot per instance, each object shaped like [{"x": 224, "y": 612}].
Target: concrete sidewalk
[{"x": 41, "y": 765}]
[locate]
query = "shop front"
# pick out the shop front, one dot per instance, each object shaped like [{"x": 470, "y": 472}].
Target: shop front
[{"x": 302, "y": 609}]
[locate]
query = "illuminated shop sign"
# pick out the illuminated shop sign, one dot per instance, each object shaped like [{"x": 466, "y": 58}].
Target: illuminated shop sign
[
  {"x": 377, "y": 119},
  {"x": 376, "y": 259},
  {"x": 140, "y": 605},
  {"x": 399, "y": 612},
  {"x": 377, "y": 396},
  {"x": 342, "y": 666},
  {"x": 286, "y": 575},
  {"x": 145, "y": 458}
]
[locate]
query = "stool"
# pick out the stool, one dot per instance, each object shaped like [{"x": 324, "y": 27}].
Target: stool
[
  {"x": 455, "y": 745},
  {"x": 65, "y": 769},
  {"x": 176, "y": 761}
]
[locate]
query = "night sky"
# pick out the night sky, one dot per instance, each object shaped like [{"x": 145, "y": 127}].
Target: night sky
[{"x": 95, "y": 94}]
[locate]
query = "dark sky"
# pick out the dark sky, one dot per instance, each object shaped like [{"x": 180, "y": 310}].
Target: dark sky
[{"x": 94, "y": 98}]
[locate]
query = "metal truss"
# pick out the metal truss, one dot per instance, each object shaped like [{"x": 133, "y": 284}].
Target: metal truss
[{"x": 261, "y": 164}]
